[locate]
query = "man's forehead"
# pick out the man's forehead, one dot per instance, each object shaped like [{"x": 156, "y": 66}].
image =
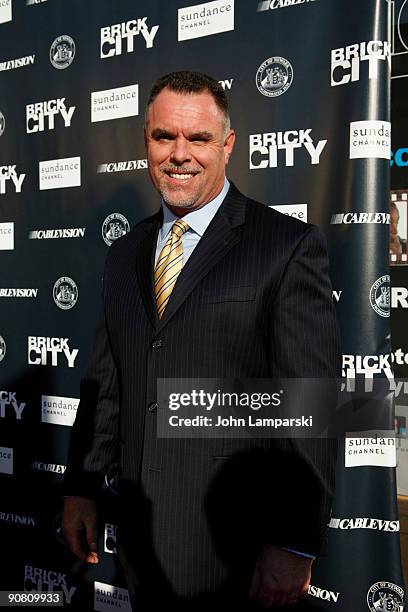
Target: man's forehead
[{"x": 193, "y": 109}]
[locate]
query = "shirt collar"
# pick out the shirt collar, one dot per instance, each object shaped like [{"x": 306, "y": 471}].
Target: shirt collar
[{"x": 198, "y": 220}]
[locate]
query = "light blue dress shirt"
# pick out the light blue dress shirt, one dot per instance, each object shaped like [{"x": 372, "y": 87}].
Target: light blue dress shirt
[{"x": 198, "y": 221}]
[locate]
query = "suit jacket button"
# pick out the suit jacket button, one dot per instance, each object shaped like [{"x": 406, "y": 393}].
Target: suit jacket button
[
  {"x": 152, "y": 407},
  {"x": 157, "y": 344}
]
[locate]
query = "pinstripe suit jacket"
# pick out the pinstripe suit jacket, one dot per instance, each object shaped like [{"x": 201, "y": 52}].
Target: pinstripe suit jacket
[{"x": 253, "y": 301}]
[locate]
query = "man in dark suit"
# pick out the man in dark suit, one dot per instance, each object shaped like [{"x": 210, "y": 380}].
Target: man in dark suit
[{"x": 214, "y": 285}]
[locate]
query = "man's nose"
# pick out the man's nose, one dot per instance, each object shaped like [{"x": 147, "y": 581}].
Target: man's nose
[{"x": 180, "y": 152}]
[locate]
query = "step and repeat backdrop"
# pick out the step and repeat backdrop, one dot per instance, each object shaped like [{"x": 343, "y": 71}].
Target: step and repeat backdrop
[
  {"x": 308, "y": 83},
  {"x": 398, "y": 230}
]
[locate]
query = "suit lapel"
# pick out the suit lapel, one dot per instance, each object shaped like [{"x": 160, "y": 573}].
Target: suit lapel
[
  {"x": 220, "y": 236},
  {"x": 145, "y": 253}
]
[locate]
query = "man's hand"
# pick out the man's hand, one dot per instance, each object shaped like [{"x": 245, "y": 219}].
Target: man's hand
[
  {"x": 395, "y": 244},
  {"x": 280, "y": 577},
  {"x": 79, "y": 522}
]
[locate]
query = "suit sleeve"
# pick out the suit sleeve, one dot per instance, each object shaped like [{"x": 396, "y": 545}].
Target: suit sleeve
[
  {"x": 305, "y": 335},
  {"x": 305, "y": 343},
  {"x": 95, "y": 435}
]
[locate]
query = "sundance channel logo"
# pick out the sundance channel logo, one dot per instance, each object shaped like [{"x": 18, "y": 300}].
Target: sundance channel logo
[
  {"x": 5, "y": 11},
  {"x": 7, "y": 236},
  {"x": 205, "y": 19},
  {"x": 58, "y": 410},
  {"x": 6, "y": 460},
  {"x": 109, "y": 597},
  {"x": 60, "y": 173},
  {"x": 370, "y": 140},
  {"x": 371, "y": 450},
  {"x": 115, "y": 103}
]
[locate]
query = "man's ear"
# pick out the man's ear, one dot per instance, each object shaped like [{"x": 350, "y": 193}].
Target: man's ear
[
  {"x": 145, "y": 136},
  {"x": 229, "y": 145}
]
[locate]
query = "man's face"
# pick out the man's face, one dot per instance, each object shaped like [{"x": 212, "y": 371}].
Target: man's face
[
  {"x": 394, "y": 218},
  {"x": 187, "y": 148}
]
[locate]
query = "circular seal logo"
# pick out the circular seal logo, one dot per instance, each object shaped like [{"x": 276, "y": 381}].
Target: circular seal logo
[
  {"x": 65, "y": 293},
  {"x": 114, "y": 226},
  {"x": 2, "y": 348},
  {"x": 58, "y": 530},
  {"x": 2, "y": 123},
  {"x": 380, "y": 296},
  {"x": 62, "y": 52},
  {"x": 274, "y": 77},
  {"x": 111, "y": 481},
  {"x": 402, "y": 19},
  {"x": 385, "y": 597}
]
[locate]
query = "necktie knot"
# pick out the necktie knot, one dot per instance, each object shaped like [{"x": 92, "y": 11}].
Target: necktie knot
[{"x": 179, "y": 228}]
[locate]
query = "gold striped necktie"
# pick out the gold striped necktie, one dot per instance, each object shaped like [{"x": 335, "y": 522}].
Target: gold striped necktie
[{"x": 169, "y": 265}]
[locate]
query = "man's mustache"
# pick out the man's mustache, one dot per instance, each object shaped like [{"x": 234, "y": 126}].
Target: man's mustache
[{"x": 180, "y": 169}]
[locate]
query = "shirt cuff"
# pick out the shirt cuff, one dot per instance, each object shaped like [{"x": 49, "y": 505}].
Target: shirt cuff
[{"x": 297, "y": 552}]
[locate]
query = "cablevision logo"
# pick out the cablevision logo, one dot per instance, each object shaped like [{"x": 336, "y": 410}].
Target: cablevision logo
[
  {"x": 115, "y": 103},
  {"x": 274, "y": 76},
  {"x": 5, "y": 11},
  {"x": 364, "y": 523},
  {"x": 270, "y": 5},
  {"x": 120, "y": 38},
  {"x": 19, "y": 292},
  {"x": 20, "y": 62},
  {"x": 205, "y": 19},
  {"x": 351, "y": 218},
  {"x": 57, "y": 234},
  {"x": 114, "y": 226},
  {"x": 125, "y": 166},
  {"x": 385, "y": 596},
  {"x": 65, "y": 293},
  {"x": 62, "y": 52},
  {"x": 324, "y": 594}
]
